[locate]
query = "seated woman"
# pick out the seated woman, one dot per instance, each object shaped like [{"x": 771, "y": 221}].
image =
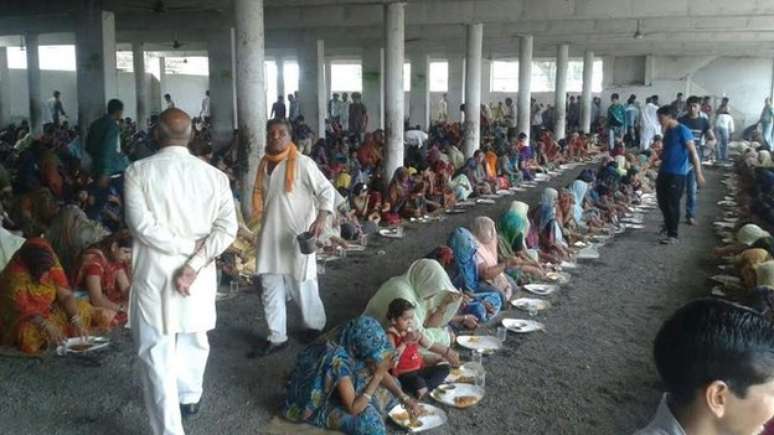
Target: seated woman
[
  {"x": 551, "y": 240},
  {"x": 484, "y": 301},
  {"x": 343, "y": 381},
  {"x": 490, "y": 270},
  {"x": 513, "y": 228},
  {"x": 474, "y": 170},
  {"x": 417, "y": 376},
  {"x": 565, "y": 217},
  {"x": 427, "y": 286},
  {"x": 104, "y": 272},
  {"x": 746, "y": 237},
  {"x": 509, "y": 167},
  {"x": 437, "y": 185},
  {"x": 360, "y": 204},
  {"x": 398, "y": 194},
  {"x": 37, "y": 307},
  {"x": 747, "y": 261}
]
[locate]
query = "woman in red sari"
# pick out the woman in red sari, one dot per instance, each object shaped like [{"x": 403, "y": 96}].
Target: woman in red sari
[
  {"x": 104, "y": 272},
  {"x": 37, "y": 307}
]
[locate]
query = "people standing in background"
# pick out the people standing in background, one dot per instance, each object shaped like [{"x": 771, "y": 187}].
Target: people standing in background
[
  {"x": 616, "y": 119},
  {"x": 702, "y": 136},
  {"x": 724, "y": 128},
  {"x": 706, "y": 106},
  {"x": 103, "y": 143},
  {"x": 573, "y": 114},
  {"x": 632, "y": 118},
  {"x": 358, "y": 116},
  {"x": 168, "y": 100},
  {"x": 596, "y": 112},
  {"x": 548, "y": 118},
  {"x": 767, "y": 123},
  {"x": 679, "y": 104},
  {"x": 343, "y": 111},
  {"x": 278, "y": 108},
  {"x": 56, "y": 109},
  {"x": 204, "y": 113},
  {"x": 723, "y": 105},
  {"x": 294, "y": 111},
  {"x": 649, "y": 125},
  {"x": 443, "y": 110},
  {"x": 333, "y": 107},
  {"x": 510, "y": 117},
  {"x": 536, "y": 118}
]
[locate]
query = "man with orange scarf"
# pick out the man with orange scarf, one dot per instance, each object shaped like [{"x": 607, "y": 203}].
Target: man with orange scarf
[{"x": 291, "y": 196}]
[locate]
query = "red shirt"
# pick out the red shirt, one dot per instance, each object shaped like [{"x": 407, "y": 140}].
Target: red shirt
[{"x": 410, "y": 360}]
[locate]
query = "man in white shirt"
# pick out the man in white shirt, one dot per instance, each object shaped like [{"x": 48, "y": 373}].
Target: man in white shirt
[
  {"x": 181, "y": 213},
  {"x": 205, "y": 112},
  {"x": 650, "y": 127},
  {"x": 168, "y": 101},
  {"x": 716, "y": 359},
  {"x": 291, "y": 196},
  {"x": 415, "y": 137},
  {"x": 343, "y": 111},
  {"x": 443, "y": 110}
]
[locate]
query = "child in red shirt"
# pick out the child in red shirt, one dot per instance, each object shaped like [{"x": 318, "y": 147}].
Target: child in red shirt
[{"x": 416, "y": 378}]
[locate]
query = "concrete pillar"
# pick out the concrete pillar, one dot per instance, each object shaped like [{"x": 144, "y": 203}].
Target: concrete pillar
[
  {"x": 221, "y": 78},
  {"x": 33, "y": 83},
  {"x": 419, "y": 109},
  {"x": 251, "y": 93},
  {"x": 162, "y": 80},
  {"x": 328, "y": 87},
  {"x": 394, "y": 31},
  {"x": 95, "y": 54},
  {"x": 138, "y": 59},
  {"x": 486, "y": 88},
  {"x": 650, "y": 69},
  {"x": 281, "y": 79},
  {"x": 312, "y": 83},
  {"x": 5, "y": 89},
  {"x": 588, "y": 75},
  {"x": 524, "y": 107},
  {"x": 474, "y": 46},
  {"x": 560, "y": 91},
  {"x": 373, "y": 86},
  {"x": 456, "y": 86}
]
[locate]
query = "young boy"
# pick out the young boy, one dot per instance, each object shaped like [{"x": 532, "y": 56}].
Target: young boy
[{"x": 717, "y": 361}]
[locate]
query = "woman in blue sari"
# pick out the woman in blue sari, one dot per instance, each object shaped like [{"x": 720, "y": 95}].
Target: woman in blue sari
[
  {"x": 342, "y": 382},
  {"x": 552, "y": 243},
  {"x": 482, "y": 300}
]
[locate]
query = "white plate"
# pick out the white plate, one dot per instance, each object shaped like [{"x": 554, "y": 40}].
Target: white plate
[
  {"x": 485, "y": 201},
  {"x": 435, "y": 418},
  {"x": 558, "y": 277},
  {"x": 580, "y": 244},
  {"x": 522, "y": 326},
  {"x": 726, "y": 279},
  {"x": 540, "y": 289},
  {"x": 454, "y": 211},
  {"x": 718, "y": 291},
  {"x": 464, "y": 374},
  {"x": 634, "y": 226},
  {"x": 355, "y": 248},
  {"x": 723, "y": 224},
  {"x": 525, "y": 303},
  {"x": 589, "y": 253},
  {"x": 568, "y": 265},
  {"x": 466, "y": 204},
  {"x": 446, "y": 394},
  {"x": 490, "y": 196},
  {"x": 732, "y": 220},
  {"x": 517, "y": 189},
  {"x": 392, "y": 233},
  {"x": 632, "y": 220},
  {"x": 483, "y": 343},
  {"x": 93, "y": 343}
]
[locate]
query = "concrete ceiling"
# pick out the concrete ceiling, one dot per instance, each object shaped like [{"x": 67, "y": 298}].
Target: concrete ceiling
[{"x": 717, "y": 27}]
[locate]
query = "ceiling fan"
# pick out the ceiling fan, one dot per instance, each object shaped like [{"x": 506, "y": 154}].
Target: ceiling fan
[{"x": 638, "y": 34}]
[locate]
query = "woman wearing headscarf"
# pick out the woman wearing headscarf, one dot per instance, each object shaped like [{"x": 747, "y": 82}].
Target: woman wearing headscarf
[
  {"x": 746, "y": 237},
  {"x": 747, "y": 261},
  {"x": 398, "y": 193},
  {"x": 490, "y": 269},
  {"x": 509, "y": 167},
  {"x": 427, "y": 286},
  {"x": 342, "y": 381},
  {"x": 548, "y": 228},
  {"x": 474, "y": 170},
  {"x": 481, "y": 298}
]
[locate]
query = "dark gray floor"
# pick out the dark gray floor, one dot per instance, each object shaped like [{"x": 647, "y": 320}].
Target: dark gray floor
[{"x": 589, "y": 373}]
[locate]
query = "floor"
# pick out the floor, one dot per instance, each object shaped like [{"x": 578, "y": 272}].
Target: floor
[{"x": 590, "y": 372}]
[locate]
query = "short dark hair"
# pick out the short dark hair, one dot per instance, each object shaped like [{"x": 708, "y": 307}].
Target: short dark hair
[
  {"x": 614, "y": 97},
  {"x": 522, "y": 135},
  {"x": 669, "y": 110},
  {"x": 114, "y": 106},
  {"x": 397, "y": 307},
  {"x": 712, "y": 340},
  {"x": 272, "y": 122},
  {"x": 693, "y": 99},
  {"x": 168, "y": 96},
  {"x": 679, "y": 94}
]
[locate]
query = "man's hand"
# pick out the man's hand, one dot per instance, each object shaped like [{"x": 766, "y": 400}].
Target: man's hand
[
  {"x": 700, "y": 178},
  {"x": 317, "y": 226},
  {"x": 184, "y": 278}
]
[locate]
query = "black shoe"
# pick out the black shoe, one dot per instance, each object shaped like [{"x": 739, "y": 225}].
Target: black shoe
[
  {"x": 189, "y": 409},
  {"x": 266, "y": 349},
  {"x": 309, "y": 335}
]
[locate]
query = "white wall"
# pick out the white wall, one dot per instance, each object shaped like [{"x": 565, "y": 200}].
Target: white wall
[{"x": 187, "y": 91}]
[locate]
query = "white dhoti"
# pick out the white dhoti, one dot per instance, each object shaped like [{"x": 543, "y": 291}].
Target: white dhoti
[
  {"x": 646, "y": 137},
  {"x": 172, "y": 371},
  {"x": 277, "y": 289}
]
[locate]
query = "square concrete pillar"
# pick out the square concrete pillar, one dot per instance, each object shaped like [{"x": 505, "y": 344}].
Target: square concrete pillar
[
  {"x": 5, "y": 89},
  {"x": 456, "y": 87},
  {"x": 313, "y": 85},
  {"x": 221, "y": 77},
  {"x": 373, "y": 87},
  {"x": 420, "y": 91}
]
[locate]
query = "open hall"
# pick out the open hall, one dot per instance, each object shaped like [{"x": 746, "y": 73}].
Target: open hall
[{"x": 379, "y": 217}]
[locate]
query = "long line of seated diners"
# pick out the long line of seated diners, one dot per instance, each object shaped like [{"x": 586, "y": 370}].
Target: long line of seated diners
[{"x": 65, "y": 251}]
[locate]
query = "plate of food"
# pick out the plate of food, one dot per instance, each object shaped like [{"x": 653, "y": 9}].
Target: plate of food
[
  {"x": 83, "y": 344},
  {"x": 724, "y": 224},
  {"x": 589, "y": 253},
  {"x": 482, "y": 343},
  {"x": 726, "y": 279},
  {"x": 490, "y": 196},
  {"x": 355, "y": 248},
  {"x": 568, "y": 265},
  {"x": 464, "y": 374},
  {"x": 455, "y": 210},
  {"x": 485, "y": 201},
  {"x": 731, "y": 220},
  {"x": 522, "y": 326},
  {"x": 580, "y": 244},
  {"x": 526, "y": 304},
  {"x": 466, "y": 204},
  {"x": 458, "y": 395},
  {"x": 633, "y": 226},
  {"x": 558, "y": 277},
  {"x": 541, "y": 289},
  {"x": 392, "y": 233},
  {"x": 430, "y": 417}
]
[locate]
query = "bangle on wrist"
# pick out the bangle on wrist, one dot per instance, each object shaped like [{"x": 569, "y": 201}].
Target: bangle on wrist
[
  {"x": 367, "y": 396},
  {"x": 75, "y": 320}
]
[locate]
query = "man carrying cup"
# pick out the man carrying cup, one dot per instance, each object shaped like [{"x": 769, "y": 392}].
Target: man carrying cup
[{"x": 291, "y": 196}]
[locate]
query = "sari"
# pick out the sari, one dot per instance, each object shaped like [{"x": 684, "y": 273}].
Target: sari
[
  {"x": 578, "y": 188},
  {"x": 456, "y": 157},
  {"x": 70, "y": 233},
  {"x": 486, "y": 255},
  {"x": 746, "y": 263},
  {"x": 22, "y": 298},
  {"x": 764, "y": 274},
  {"x": 490, "y": 164},
  {"x": 426, "y": 284},
  {"x": 342, "y": 353},
  {"x": 509, "y": 167},
  {"x": 513, "y": 228},
  {"x": 398, "y": 192},
  {"x": 461, "y": 187},
  {"x": 94, "y": 262}
]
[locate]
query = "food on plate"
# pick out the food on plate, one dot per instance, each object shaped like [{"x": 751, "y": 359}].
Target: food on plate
[
  {"x": 80, "y": 347},
  {"x": 466, "y": 380},
  {"x": 464, "y": 401},
  {"x": 473, "y": 339}
]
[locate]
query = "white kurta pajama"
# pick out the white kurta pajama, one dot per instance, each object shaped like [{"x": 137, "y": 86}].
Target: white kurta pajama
[
  {"x": 174, "y": 199},
  {"x": 285, "y": 271},
  {"x": 649, "y": 125}
]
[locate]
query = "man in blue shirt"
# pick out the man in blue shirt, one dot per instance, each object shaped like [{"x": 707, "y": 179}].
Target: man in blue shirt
[
  {"x": 702, "y": 135},
  {"x": 676, "y": 157}
]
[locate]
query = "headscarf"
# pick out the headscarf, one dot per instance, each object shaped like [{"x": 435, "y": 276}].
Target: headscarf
[
  {"x": 486, "y": 235},
  {"x": 764, "y": 157},
  {"x": 578, "y": 189},
  {"x": 490, "y": 159},
  {"x": 514, "y": 222},
  {"x": 464, "y": 245},
  {"x": 70, "y": 233},
  {"x": 547, "y": 210},
  {"x": 291, "y": 155},
  {"x": 749, "y": 233},
  {"x": 764, "y": 274},
  {"x": 620, "y": 165},
  {"x": 364, "y": 338}
]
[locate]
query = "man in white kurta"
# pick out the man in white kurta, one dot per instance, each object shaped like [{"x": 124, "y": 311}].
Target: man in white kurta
[
  {"x": 649, "y": 123},
  {"x": 181, "y": 213},
  {"x": 285, "y": 272}
]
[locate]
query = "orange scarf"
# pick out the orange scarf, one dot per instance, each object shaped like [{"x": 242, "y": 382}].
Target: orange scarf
[{"x": 291, "y": 155}]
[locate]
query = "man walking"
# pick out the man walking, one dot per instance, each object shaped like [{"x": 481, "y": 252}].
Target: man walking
[
  {"x": 702, "y": 136},
  {"x": 179, "y": 227},
  {"x": 291, "y": 196},
  {"x": 649, "y": 125},
  {"x": 615, "y": 121},
  {"x": 679, "y": 150}
]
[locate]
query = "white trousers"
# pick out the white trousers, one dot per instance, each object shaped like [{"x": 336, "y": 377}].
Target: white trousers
[
  {"x": 277, "y": 289},
  {"x": 172, "y": 370}
]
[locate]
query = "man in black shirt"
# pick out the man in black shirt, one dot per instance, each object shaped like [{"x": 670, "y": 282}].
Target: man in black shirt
[
  {"x": 278, "y": 108},
  {"x": 702, "y": 136}
]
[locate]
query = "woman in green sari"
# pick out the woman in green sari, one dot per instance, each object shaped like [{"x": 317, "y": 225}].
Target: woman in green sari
[
  {"x": 512, "y": 229},
  {"x": 428, "y": 287}
]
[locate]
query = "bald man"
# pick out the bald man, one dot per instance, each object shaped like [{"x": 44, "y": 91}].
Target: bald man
[{"x": 181, "y": 212}]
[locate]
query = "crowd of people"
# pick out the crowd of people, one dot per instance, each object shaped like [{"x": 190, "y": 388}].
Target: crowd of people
[{"x": 102, "y": 231}]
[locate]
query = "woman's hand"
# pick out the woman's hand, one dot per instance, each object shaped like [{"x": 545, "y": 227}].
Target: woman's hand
[
  {"x": 412, "y": 406},
  {"x": 453, "y": 358},
  {"x": 470, "y": 322},
  {"x": 55, "y": 335},
  {"x": 384, "y": 367}
]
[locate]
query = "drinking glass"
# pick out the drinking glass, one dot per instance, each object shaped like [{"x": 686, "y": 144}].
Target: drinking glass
[
  {"x": 532, "y": 310},
  {"x": 364, "y": 240},
  {"x": 502, "y": 334},
  {"x": 480, "y": 379},
  {"x": 477, "y": 356}
]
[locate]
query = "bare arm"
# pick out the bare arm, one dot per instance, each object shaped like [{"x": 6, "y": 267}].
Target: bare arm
[
  {"x": 96, "y": 296},
  {"x": 355, "y": 404},
  {"x": 696, "y": 163}
]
